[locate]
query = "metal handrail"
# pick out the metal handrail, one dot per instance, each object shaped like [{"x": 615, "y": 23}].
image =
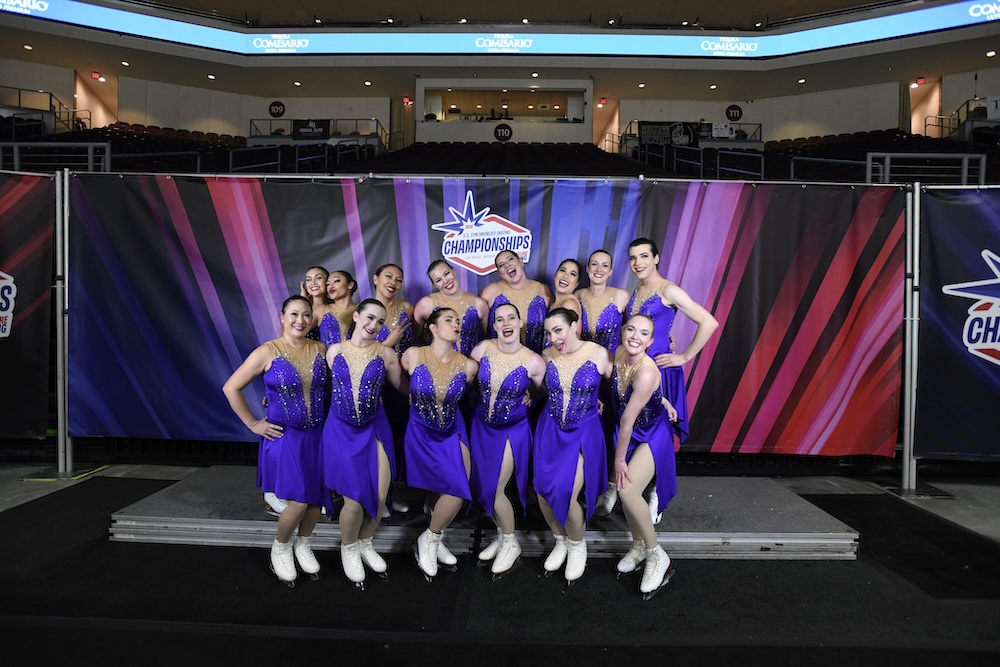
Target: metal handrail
[
  {"x": 700, "y": 162},
  {"x": 96, "y": 154},
  {"x": 831, "y": 161},
  {"x": 720, "y": 169},
  {"x": 257, "y": 166},
  {"x": 964, "y": 161}
]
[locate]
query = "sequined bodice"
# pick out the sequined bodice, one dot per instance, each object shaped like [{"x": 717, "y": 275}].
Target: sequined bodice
[
  {"x": 600, "y": 320},
  {"x": 358, "y": 374},
  {"x": 530, "y": 302},
  {"x": 502, "y": 380},
  {"x": 393, "y": 322},
  {"x": 465, "y": 306},
  {"x": 573, "y": 387},
  {"x": 621, "y": 385},
  {"x": 336, "y": 325},
  {"x": 436, "y": 388},
  {"x": 650, "y": 305},
  {"x": 294, "y": 385}
]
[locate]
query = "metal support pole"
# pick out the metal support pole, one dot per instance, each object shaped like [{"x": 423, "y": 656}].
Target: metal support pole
[
  {"x": 65, "y": 464},
  {"x": 908, "y": 484}
]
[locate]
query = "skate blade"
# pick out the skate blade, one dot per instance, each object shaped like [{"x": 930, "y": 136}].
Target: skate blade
[
  {"x": 626, "y": 574},
  {"x": 314, "y": 576},
  {"x": 666, "y": 580},
  {"x": 290, "y": 584},
  {"x": 360, "y": 585},
  {"x": 570, "y": 584},
  {"x": 416, "y": 556},
  {"x": 497, "y": 576},
  {"x": 450, "y": 568}
]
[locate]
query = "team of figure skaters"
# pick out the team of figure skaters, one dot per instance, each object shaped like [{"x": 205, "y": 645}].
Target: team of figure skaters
[{"x": 579, "y": 388}]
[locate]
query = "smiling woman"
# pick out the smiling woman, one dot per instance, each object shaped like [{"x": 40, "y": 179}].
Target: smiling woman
[{"x": 289, "y": 459}]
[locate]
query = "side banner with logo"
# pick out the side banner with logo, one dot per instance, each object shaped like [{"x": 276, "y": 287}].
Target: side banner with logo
[
  {"x": 176, "y": 280},
  {"x": 27, "y": 225},
  {"x": 958, "y": 384}
]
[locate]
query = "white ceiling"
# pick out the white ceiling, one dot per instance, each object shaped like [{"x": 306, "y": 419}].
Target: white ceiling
[{"x": 931, "y": 56}]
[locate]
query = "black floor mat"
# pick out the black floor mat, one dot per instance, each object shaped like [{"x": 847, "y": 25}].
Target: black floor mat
[{"x": 942, "y": 559}]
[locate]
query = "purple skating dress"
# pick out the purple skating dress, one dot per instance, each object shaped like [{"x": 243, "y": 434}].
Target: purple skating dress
[
  {"x": 335, "y": 327},
  {"x": 649, "y": 304},
  {"x": 652, "y": 426},
  {"x": 355, "y": 421},
  {"x": 530, "y": 303},
  {"x": 433, "y": 454},
  {"x": 569, "y": 426},
  {"x": 600, "y": 320},
  {"x": 291, "y": 466},
  {"x": 500, "y": 415},
  {"x": 465, "y": 306}
]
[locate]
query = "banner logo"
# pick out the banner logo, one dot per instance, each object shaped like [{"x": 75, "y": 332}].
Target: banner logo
[
  {"x": 8, "y": 290},
  {"x": 985, "y": 10},
  {"x": 981, "y": 333},
  {"x": 473, "y": 239}
]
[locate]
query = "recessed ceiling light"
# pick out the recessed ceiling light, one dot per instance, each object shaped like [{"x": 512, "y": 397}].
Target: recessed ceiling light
[
  {"x": 534, "y": 75},
  {"x": 368, "y": 83},
  {"x": 757, "y": 24},
  {"x": 990, "y": 53},
  {"x": 211, "y": 77},
  {"x": 555, "y": 106},
  {"x": 454, "y": 106},
  {"x": 914, "y": 84},
  {"x": 600, "y": 105},
  {"x": 101, "y": 79},
  {"x": 524, "y": 21},
  {"x": 296, "y": 83},
  {"x": 463, "y": 21},
  {"x": 531, "y": 106},
  {"x": 126, "y": 63},
  {"x": 479, "y": 106},
  {"x": 713, "y": 87},
  {"x": 642, "y": 85},
  {"x": 28, "y": 47},
  {"x": 611, "y": 21},
  {"x": 802, "y": 81},
  {"x": 503, "y": 90},
  {"x": 684, "y": 22},
  {"x": 503, "y": 106}
]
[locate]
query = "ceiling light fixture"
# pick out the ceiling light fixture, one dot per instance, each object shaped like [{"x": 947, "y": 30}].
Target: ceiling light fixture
[
  {"x": 317, "y": 19},
  {"x": 524, "y": 21},
  {"x": 368, "y": 83},
  {"x": 100, "y": 78},
  {"x": 125, "y": 62},
  {"x": 990, "y": 53},
  {"x": 642, "y": 85},
  {"x": 296, "y": 83},
  {"x": 28, "y": 47},
  {"x": 463, "y": 21},
  {"x": 534, "y": 75},
  {"x": 801, "y": 81},
  {"x": 211, "y": 77},
  {"x": 713, "y": 87}
]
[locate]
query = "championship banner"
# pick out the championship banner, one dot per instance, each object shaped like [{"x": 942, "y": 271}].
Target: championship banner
[
  {"x": 958, "y": 383},
  {"x": 27, "y": 225},
  {"x": 176, "y": 280}
]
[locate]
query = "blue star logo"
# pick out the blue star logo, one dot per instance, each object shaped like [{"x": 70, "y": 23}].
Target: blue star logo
[
  {"x": 470, "y": 218},
  {"x": 983, "y": 290}
]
